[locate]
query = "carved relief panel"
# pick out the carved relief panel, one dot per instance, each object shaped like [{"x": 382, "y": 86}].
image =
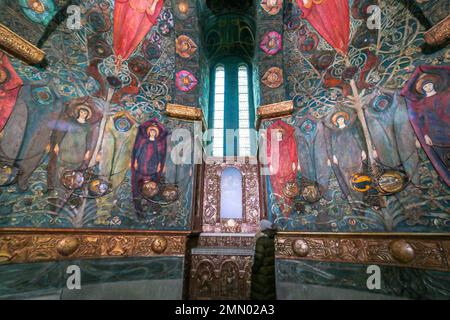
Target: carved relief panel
[{"x": 220, "y": 277}]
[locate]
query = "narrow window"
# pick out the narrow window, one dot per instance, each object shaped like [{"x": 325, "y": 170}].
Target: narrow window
[
  {"x": 219, "y": 107},
  {"x": 244, "y": 115},
  {"x": 231, "y": 194}
]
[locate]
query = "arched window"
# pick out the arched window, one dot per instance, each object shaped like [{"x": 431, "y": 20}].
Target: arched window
[
  {"x": 244, "y": 112},
  {"x": 231, "y": 194},
  {"x": 232, "y": 108},
  {"x": 219, "y": 109}
]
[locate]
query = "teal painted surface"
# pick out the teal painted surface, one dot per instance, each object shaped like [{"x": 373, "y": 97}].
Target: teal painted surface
[
  {"x": 396, "y": 282},
  {"x": 33, "y": 280}
]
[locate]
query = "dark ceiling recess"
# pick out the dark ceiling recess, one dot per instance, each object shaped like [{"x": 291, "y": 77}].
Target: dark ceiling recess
[
  {"x": 219, "y": 6},
  {"x": 228, "y": 28}
]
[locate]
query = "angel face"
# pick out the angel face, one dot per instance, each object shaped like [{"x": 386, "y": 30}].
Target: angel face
[
  {"x": 37, "y": 6},
  {"x": 428, "y": 89},
  {"x": 152, "y": 134},
  {"x": 83, "y": 114},
  {"x": 279, "y": 135},
  {"x": 340, "y": 121}
]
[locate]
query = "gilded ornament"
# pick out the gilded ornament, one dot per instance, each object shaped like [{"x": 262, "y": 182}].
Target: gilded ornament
[
  {"x": 402, "y": 251},
  {"x": 19, "y": 47},
  {"x": 159, "y": 245},
  {"x": 67, "y": 246},
  {"x": 300, "y": 247}
]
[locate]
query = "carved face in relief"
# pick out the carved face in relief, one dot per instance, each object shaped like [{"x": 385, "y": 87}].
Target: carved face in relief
[{"x": 37, "y": 6}]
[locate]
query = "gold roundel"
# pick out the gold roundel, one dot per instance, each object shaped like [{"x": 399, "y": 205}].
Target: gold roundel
[
  {"x": 391, "y": 182},
  {"x": 361, "y": 182},
  {"x": 402, "y": 251},
  {"x": 300, "y": 247},
  {"x": 150, "y": 189},
  {"x": 159, "y": 245},
  {"x": 67, "y": 246}
]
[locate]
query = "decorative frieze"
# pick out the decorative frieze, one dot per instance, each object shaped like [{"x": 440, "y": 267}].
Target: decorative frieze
[
  {"x": 274, "y": 110},
  {"x": 35, "y": 245},
  {"x": 19, "y": 47},
  {"x": 220, "y": 277},
  {"x": 439, "y": 34},
  {"x": 430, "y": 251},
  {"x": 184, "y": 112}
]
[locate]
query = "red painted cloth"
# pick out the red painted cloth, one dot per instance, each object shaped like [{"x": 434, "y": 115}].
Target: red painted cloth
[
  {"x": 283, "y": 162},
  {"x": 10, "y": 84},
  {"x": 331, "y": 19},
  {"x": 133, "y": 19},
  {"x": 430, "y": 115}
]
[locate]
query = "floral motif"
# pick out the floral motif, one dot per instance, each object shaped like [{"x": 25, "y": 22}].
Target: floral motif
[
  {"x": 271, "y": 43},
  {"x": 185, "y": 46},
  {"x": 185, "y": 81},
  {"x": 272, "y": 7},
  {"x": 273, "y": 77}
]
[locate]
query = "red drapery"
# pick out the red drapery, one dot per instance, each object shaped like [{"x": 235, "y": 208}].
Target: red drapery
[
  {"x": 283, "y": 162},
  {"x": 10, "y": 84},
  {"x": 331, "y": 19},
  {"x": 133, "y": 19}
]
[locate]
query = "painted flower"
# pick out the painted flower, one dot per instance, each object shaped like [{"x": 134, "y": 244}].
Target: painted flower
[
  {"x": 185, "y": 46},
  {"x": 272, "y": 7},
  {"x": 271, "y": 43},
  {"x": 185, "y": 81},
  {"x": 273, "y": 77}
]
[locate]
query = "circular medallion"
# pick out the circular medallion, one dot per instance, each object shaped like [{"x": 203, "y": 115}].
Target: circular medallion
[
  {"x": 150, "y": 189},
  {"x": 159, "y": 245},
  {"x": 308, "y": 126},
  {"x": 300, "y": 247},
  {"x": 8, "y": 174},
  {"x": 391, "y": 182},
  {"x": 122, "y": 124},
  {"x": 402, "y": 251},
  {"x": 381, "y": 103},
  {"x": 361, "y": 182},
  {"x": 290, "y": 189},
  {"x": 311, "y": 193},
  {"x": 72, "y": 179},
  {"x": 170, "y": 193},
  {"x": 67, "y": 246},
  {"x": 98, "y": 187}
]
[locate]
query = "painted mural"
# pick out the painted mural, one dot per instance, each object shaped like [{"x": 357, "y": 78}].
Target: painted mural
[
  {"x": 84, "y": 141},
  {"x": 371, "y": 121}
]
